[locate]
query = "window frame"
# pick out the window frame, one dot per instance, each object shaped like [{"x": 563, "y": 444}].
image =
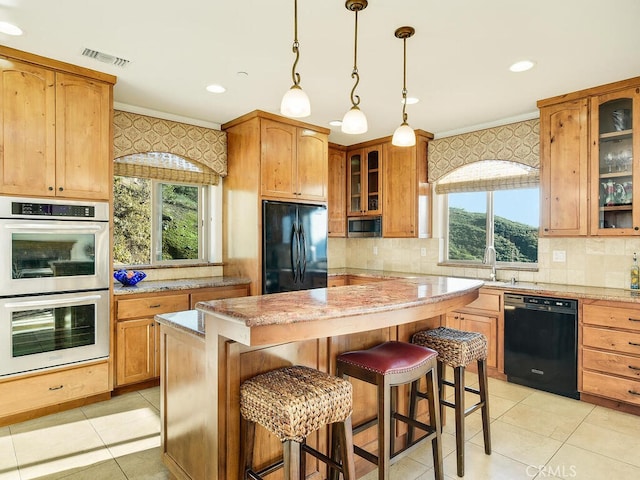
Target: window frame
[{"x": 489, "y": 236}]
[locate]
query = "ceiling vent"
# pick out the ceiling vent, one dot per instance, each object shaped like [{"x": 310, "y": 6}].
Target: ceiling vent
[{"x": 105, "y": 57}]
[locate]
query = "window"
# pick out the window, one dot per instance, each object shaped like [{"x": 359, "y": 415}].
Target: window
[
  {"x": 505, "y": 219},
  {"x": 159, "y": 222}
]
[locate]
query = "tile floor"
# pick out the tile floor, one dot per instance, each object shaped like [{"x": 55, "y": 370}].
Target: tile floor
[{"x": 535, "y": 436}]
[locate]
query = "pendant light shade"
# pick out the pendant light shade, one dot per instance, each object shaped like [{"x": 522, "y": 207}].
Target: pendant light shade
[
  {"x": 295, "y": 102},
  {"x": 354, "y": 121},
  {"x": 404, "y": 136}
]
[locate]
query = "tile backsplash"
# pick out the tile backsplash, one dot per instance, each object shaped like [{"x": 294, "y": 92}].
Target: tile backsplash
[{"x": 598, "y": 262}]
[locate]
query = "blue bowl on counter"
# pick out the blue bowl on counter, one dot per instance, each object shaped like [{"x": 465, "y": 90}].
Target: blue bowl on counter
[{"x": 129, "y": 278}]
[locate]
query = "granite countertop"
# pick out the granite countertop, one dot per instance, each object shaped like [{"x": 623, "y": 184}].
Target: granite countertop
[
  {"x": 152, "y": 286},
  {"x": 323, "y": 303},
  {"x": 191, "y": 321}
]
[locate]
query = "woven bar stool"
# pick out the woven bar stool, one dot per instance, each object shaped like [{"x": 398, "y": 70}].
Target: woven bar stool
[
  {"x": 291, "y": 403},
  {"x": 389, "y": 365},
  {"x": 458, "y": 349}
]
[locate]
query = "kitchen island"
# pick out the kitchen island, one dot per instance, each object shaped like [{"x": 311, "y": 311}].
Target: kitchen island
[{"x": 206, "y": 355}]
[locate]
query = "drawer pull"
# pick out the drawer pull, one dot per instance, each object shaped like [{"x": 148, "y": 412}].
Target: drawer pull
[
  {"x": 633, "y": 392},
  {"x": 154, "y": 305},
  {"x": 634, "y": 319},
  {"x": 56, "y": 388},
  {"x": 634, "y": 344},
  {"x": 633, "y": 368}
]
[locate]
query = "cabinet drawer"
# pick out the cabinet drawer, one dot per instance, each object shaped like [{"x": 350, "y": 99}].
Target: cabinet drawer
[
  {"x": 217, "y": 293},
  {"x": 149, "y": 306},
  {"x": 616, "y": 364},
  {"x": 29, "y": 393},
  {"x": 611, "y": 387},
  {"x": 621, "y": 342},
  {"x": 486, "y": 301},
  {"x": 618, "y": 317}
]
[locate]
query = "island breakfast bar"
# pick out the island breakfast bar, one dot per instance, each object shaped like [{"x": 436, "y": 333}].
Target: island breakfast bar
[{"x": 202, "y": 372}]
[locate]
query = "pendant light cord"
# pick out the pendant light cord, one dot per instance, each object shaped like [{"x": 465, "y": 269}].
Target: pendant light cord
[
  {"x": 404, "y": 82},
  {"x": 355, "y": 99},
  {"x": 295, "y": 75}
]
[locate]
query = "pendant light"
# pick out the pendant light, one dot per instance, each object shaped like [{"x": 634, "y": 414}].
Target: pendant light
[
  {"x": 354, "y": 121},
  {"x": 295, "y": 102},
  {"x": 404, "y": 136}
]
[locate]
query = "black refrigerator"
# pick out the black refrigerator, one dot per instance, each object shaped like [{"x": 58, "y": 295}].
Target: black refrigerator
[{"x": 294, "y": 246}]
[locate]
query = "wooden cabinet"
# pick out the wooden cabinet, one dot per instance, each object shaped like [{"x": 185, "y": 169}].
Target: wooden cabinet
[
  {"x": 615, "y": 180},
  {"x": 293, "y": 162},
  {"x": 564, "y": 146},
  {"x": 483, "y": 315},
  {"x": 364, "y": 181},
  {"x": 137, "y": 332},
  {"x": 406, "y": 193},
  {"x": 18, "y": 395},
  {"x": 611, "y": 351},
  {"x": 56, "y": 135},
  {"x": 337, "y": 191}
]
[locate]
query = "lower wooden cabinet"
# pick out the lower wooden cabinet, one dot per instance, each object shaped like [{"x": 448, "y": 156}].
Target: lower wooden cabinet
[
  {"x": 611, "y": 351},
  {"x": 137, "y": 357},
  {"x": 51, "y": 388}
]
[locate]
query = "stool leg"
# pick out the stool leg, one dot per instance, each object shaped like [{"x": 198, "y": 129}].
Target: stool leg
[
  {"x": 441, "y": 391},
  {"x": 291, "y": 458},
  {"x": 484, "y": 398},
  {"x": 413, "y": 409},
  {"x": 434, "y": 422},
  {"x": 458, "y": 380},
  {"x": 342, "y": 432},
  {"x": 247, "y": 432},
  {"x": 384, "y": 433}
]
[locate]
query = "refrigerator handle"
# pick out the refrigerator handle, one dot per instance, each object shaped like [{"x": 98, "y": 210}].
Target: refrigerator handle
[
  {"x": 303, "y": 250},
  {"x": 295, "y": 252}
]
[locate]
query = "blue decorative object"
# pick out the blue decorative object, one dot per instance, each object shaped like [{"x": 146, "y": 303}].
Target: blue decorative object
[{"x": 128, "y": 278}]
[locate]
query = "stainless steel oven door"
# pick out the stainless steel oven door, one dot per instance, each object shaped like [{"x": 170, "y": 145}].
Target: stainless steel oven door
[
  {"x": 53, "y": 330},
  {"x": 53, "y": 256}
]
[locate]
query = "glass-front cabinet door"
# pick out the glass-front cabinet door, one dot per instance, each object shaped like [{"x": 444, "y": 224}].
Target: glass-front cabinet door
[
  {"x": 614, "y": 156},
  {"x": 365, "y": 181}
]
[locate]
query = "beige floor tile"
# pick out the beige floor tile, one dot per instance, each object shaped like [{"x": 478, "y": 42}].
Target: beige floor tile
[
  {"x": 574, "y": 462},
  {"x": 564, "y": 406},
  {"x": 152, "y": 395},
  {"x": 8, "y": 461},
  {"x": 424, "y": 455},
  {"x": 510, "y": 391},
  {"x": 108, "y": 470},
  {"x": 610, "y": 443},
  {"x": 537, "y": 420},
  {"x": 129, "y": 402},
  {"x": 56, "y": 449},
  {"x": 521, "y": 445},
  {"x": 404, "y": 469},
  {"x": 472, "y": 424},
  {"x": 480, "y": 466},
  {"x": 48, "y": 421},
  {"x": 129, "y": 432},
  {"x": 614, "y": 420},
  {"x": 144, "y": 465},
  {"x": 498, "y": 406}
]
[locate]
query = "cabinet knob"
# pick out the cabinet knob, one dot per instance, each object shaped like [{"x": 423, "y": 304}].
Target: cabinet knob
[
  {"x": 50, "y": 188},
  {"x": 60, "y": 189},
  {"x": 636, "y": 228}
]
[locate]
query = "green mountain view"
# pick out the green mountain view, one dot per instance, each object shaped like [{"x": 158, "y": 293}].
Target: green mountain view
[{"x": 514, "y": 241}]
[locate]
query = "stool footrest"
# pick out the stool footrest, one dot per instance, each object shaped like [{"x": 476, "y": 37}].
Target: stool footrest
[
  {"x": 265, "y": 471},
  {"x": 473, "y": 408},
  {"x": 320, "y": 456},
  {"x": 365, "y": 425},
  {"x": 361, "y": 452}
]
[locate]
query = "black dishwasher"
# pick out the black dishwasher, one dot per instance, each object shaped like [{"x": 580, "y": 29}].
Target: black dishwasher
[{"x": 541, "y": 343}]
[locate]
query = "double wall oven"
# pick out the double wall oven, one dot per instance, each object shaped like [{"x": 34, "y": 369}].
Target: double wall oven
[{"x": 54, "y": 283}]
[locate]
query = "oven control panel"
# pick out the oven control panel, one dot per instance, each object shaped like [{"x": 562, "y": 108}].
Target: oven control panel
[{"x": 52, "y": 210}]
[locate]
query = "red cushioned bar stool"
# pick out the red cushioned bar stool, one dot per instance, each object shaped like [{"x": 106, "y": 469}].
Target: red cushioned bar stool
[
  {"x": 389, "y": 365},
  {"x": 293, "y": 402},
  {"x": 458, "y": 349}
]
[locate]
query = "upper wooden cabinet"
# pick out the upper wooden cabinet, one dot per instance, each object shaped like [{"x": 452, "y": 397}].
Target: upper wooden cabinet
[
  {"x": 406, "y": 193},
  {"x": 364, "y": 181},
  {"x": 589, "y": 146},
  {"x": 564, "y": 147},
  {"x": 55, "y": 129},
  {"x": 337, "y": 192},
  {"x": 293, "y": 162},
  {"x": 615, "y": 181}
]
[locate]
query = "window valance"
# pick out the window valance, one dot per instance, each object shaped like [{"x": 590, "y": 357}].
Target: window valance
[
  {"x": 146, "y": 146},
  {"x": 517, "y": 142},
  {"x": 488, "y": 175}
]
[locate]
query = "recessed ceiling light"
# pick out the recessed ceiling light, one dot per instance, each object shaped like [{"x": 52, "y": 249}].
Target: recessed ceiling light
[
  {"x": 335, "y": 123},
  {"x": 10, "y": 29},
  {"x": 522, "y": 66},
  {"x": 410, "y": 100},
  {"x": 214, "y": 88}
]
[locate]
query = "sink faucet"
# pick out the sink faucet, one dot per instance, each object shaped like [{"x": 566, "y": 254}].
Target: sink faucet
[{"x": 490, "y": 258}]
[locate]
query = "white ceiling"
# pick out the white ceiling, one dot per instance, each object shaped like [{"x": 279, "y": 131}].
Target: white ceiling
[{"x": 457, "y": 61}]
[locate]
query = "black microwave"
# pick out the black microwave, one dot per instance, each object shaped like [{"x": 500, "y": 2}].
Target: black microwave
[{"x": 364, "y": 226}]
